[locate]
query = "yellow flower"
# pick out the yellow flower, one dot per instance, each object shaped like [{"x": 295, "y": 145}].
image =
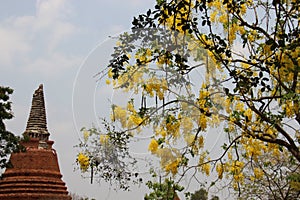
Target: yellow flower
[
  {"x": 288, "y": 107},
  {"x": 223, "y": 18},
  {"x": 161, "y": 131},
  {"x": 118, "y": 43},
  {"x": 187, "y": 124},
  {"x": 248, "y": 114},
  {"x": 134, "y": 120},
  {"x": 86, "y": 135},
  {"x": 228, "y": 105},
  {"x": 258, "y": 173},
  {"x": 119, "y": 114},
  {"x": 148, "y": 52},
  {"x": 213, "y": 16},
  {"x": 149, "y": 89},
  {"x": 153, "y": 146},
  {"x": 83, "y": 161},
  {"x": 201, "y": 141},
  {"x": 215, "y": 120},
  {"x": 107, "y": 81},
  {"x": 202, "y": 122},
  {"x": 103, "y": 139},
  {"x": 189, "y": 138},
  {"x": 130, "y": 106},
  {"x": 173, "y": 126},
  {"x": 239, "y": 177},
  {"x": 236, "y": 167},
  {"x": 220, "y": 170},
  {"x": 203, "y": 94},
  {"x": 206, "y": 168},
  {"x": 239, "y": 106},
  {"x": 172, "y": 166},
  {"x": 229, "y": 155}
]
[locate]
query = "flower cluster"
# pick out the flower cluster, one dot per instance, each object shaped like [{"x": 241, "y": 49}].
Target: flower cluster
[{"x": 83, "y": 161}]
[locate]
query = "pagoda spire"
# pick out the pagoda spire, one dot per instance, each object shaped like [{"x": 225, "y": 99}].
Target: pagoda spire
[
  {"x": 37, "y": 122},
  {"x": 34, "y": 173}
]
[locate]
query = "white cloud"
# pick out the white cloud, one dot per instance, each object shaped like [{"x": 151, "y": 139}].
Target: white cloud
[
  {"x": 52, "y": 64},
  {"x": 35, "y": 40},
  {"x": 12, "y": 45},
  {"x": 51, "y": 10},
  {"x": 51, "y": 20}
]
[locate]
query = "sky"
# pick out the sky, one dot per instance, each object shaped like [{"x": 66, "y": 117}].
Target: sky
[{"x": 63, "y": 44}]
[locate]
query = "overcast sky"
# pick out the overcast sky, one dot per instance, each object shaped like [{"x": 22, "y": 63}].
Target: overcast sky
[{"x": 62, "y": 44}]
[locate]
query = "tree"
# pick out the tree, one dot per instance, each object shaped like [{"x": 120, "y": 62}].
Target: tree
[
  {"x": 272, "y": 176},
  {"x": 166, "y": 190},
  {"x": 8, "y": 141},
  {"x": 200, "y": 194},
  {"x": 249, "y": 52},
  {"x": 75, "y": 196},
  {"x": 107, "y": 157}
]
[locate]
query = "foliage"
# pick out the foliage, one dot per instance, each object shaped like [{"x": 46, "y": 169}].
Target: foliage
[
  {"x": 200, "y": 194},
  {"x": 249, "y": 54},
  {"x": 8, "y": 141},
  {"x": 164, "y": 191},
  {"x": 106, "y": 156},
  {"x": 215, "y": 198},
  {"x": 74, "y": 196},
  {"x": 271, "y": 177}
]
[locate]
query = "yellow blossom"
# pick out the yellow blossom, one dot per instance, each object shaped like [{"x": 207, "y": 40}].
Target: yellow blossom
[
  {"x": 248, "y": 114},
  {"x": 239, "y": 177},
  {"x": 107, "y": 81},
  {"x": 103, "y": 139},
  {"x": 119, "y": 114},
  {"x": 231, "y": 126},
  {"x": 220, "y": 170},
  {"x": 258, "y": 173},
  {"x": 202, "y": 122},
  {"x": 189, "y": 138},
  {"x": 253, "y": 148},
  {"x": 223, "y": 18},
  {"x": 239, "y": 106},
  {"x": 288, "y": 107},
  {"x": 86, "y": 135},
  {"x": 134, "y": 120},
  {"x": 173, "y": 126},
  {"x": 201, "y": 141},
  {"x": 83, "y": 161},
  {"x": 229, "y": 155},
  {"x": 130, "y": 107},
  {"x": 161, "y": 131},
  {"x": 236, "y": 167},
  {"x": 153, "y": 146},
  {"x": 213, "y": 15},
  {"x": 187, "y": 124},
  {"x": 206, "y": 168},
  {"x": 172, "y": 166},
  {"x": 215, "y": 120}
]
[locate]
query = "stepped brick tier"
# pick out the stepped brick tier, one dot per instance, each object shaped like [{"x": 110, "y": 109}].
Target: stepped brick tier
[{"x": 34, "y": 174}]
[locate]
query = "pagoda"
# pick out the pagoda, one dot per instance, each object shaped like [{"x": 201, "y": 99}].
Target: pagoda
[{"x": 34, "y": 174}]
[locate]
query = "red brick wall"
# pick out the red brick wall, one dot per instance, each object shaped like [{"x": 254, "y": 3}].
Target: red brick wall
[
  {"x": 34, "y": 174},
  {"x": 35, "y": 159}
]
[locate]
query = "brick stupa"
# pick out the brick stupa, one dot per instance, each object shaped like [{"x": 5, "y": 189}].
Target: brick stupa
[{"x": 34, "y": 174}]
